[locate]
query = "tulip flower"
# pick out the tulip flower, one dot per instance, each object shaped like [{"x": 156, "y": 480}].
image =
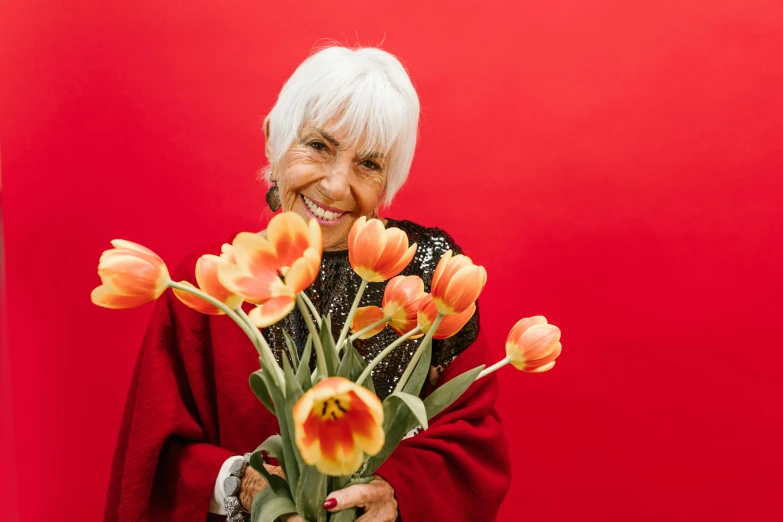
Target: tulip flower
[
  {"x": 533, "y": 345},
  {"x": 207, "y": 280},
  {"x": 400, "y": 305},
  {"x": 335, "y": 423},
  {"x": 131, "y": 275},
  {"x": 456, "y": 283},
  {"x": 449, "y": 325},
  {"x": 270, "y": 271},
  {"x": 377, "y": 253}
]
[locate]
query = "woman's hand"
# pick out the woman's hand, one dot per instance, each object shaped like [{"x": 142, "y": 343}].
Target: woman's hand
[
  {"x": 253, "y": 482},
  {"x": 377, "y": 499}
]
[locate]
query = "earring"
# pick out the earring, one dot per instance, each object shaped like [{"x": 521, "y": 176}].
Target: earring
[{"x": 273, "y": 197}]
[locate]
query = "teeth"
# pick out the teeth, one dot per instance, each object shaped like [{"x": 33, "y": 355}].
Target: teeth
[{"x": 319, "y": 212}]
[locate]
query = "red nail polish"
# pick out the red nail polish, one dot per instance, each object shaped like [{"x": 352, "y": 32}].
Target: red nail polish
[{"x": 330, "y": 503}]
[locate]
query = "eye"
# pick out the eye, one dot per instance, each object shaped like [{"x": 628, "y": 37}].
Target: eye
[
  {"x": 317, "y": 145},
  {"x": 371, "y": 165}
]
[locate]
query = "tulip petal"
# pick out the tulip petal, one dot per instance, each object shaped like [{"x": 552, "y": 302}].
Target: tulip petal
[
  {"x": 303, "y": 271},
  {"x": 130, "y": 245},
  {"x": 451, "y": 324},
  {"x": 364, "y": 317},
  {"x": 104, "y": 297},
  {"x": 289, "y": 235},
  {"x": 255, "y": 255},
  {"x": 255, "y": 289},
  {"x": 207, "y": 280},
  {"x": 464, "y": 287},
  {"x": 272, "y": 311},
  {"x": 195, "y": 302},
  {"x": 542, "y": 369},
  {"x": 439, "y": 269}
]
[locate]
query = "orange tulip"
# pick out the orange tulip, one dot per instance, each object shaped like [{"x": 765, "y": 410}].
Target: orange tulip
[
  {"x": 131, "y": 275},
  {"x": 377, "y": 253},
  {"x": 400, "y": 302},
  {"x": 364, "y": 317},
  {"x": 335, "y": 423},
  {"x": 457, "y": 283},
  {"x": 270, "y": 271},
  {"x": 207, "y": 280},
  {"x": 449, "y": 325},
  {"x": 533, "y": 345}
]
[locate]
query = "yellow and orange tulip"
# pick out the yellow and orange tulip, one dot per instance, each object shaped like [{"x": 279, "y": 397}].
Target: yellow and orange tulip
[
  {"x": 207, "y": 281},
  {"x": 533, "y": 345},
  {"x": 449, "y": 325},
  {"x": 400, "y": 302},
  {"x": 335, "y": 423},
  {"x": 456, "y": 283},
  {"x": 131, "y": 275},
  {"x": 377, "y": 253},
  {"x": 270, "y": 271}
]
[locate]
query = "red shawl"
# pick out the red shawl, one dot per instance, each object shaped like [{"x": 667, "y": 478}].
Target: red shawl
[{"x": 190, "y": 407}]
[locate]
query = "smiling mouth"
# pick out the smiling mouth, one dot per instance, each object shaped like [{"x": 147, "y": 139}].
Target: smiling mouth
[{"x": 321, "y": 214}]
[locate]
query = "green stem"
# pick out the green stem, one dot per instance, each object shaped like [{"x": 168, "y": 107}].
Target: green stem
[
  {"x": 319, "y": 349},
  {"x": 386, "y": 351},
  {"x": 311, "y": 306},
  {"x": 250, "y": 330},
  {"x": 271, "y": 360},
  {"x": 417, "y": 355},
  {"x": 370, "y": 327},
  {"x": 349, "y": 319},
  {"x": 498, "y": 365}
]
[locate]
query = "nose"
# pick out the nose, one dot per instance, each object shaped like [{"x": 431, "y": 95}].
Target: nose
[{"x": 335, "y": 185}]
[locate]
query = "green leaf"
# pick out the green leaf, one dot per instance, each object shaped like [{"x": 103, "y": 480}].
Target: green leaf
[
  {"x": 445, "y": 395},
  {"x": 269, "y": 506},
  {"x": 273, "y": 446},
  {"x": 260, "y": 389},
  {"x": 422, "y": 369},
  {"x": 289, "y": 463},
  {"x": 327, "y": 341},
  {"x": 349, "y": 366},
  {"x": 311, "y": 493},
  {"x": 414, "y": 404},
  {"x": 303, "y": 371},
  {"x": 293, "y": 393},
  {"x": 291, "y": 349},
  {"x": 352, "y": 366},
  {"x": 278, "y": 484},
  {"x": 397, "y": 421}
]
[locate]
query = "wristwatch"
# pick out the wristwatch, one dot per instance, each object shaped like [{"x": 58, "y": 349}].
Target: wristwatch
[{"x": 232, "y": 485}]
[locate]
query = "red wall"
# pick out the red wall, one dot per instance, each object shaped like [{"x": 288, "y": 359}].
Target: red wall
[{"x": 615, "y": 165}]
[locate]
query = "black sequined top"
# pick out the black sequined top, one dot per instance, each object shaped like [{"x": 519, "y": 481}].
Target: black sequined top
[{"x": 334, "y": 291}]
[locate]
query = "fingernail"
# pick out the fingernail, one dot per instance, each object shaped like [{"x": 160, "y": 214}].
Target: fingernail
[{"x": 330, "y": 503}]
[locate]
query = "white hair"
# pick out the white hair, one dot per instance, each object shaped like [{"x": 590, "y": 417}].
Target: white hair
[{"x": 369, "y": 94}]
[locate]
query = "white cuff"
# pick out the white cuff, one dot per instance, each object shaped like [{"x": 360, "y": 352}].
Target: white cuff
[{"x": 219, "y": 495}]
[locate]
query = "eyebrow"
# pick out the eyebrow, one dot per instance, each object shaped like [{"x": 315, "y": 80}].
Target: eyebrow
[{"x": 328, "y": 137}]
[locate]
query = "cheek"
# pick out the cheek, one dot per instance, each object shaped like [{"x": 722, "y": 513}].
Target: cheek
[
  {"x": 298, "y": 171},
  {"x": 369, "y": 193}
]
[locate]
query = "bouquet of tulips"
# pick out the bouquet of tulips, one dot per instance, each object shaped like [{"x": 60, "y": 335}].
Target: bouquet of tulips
[{"x": 334, "y": 430}]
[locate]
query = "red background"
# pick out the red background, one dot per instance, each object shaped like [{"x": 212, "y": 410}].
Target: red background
[{"x": 615, "y": 165}]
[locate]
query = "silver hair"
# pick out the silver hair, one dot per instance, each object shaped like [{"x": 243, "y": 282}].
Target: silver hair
[{"x": 367, "y": 91}]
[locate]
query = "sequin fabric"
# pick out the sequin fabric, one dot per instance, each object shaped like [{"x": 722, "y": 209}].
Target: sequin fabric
[{"x": 333, "y": 293}]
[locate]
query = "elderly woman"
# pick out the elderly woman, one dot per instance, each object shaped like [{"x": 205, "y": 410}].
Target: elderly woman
[{"x": 340, "y": 141}]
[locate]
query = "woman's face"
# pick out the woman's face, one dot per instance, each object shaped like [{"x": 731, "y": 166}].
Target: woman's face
[{"x": 320, "y": 177}]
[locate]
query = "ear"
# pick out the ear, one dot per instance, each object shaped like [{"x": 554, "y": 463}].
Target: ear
[{"x": 266, "y": 137}]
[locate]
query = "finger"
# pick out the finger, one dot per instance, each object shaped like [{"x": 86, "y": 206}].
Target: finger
[
  {"x": 378, "y": 515},
  {"x": 292, "y": 518},
  {"x": 358, "y": 495}
]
